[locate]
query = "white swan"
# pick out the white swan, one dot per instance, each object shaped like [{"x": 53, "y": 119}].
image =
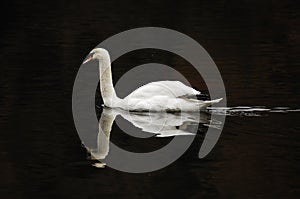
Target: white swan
[{"x": 155, "y": 96}]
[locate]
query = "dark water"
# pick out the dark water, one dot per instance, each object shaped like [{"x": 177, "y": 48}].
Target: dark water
[{"x": 255, "y": 45}]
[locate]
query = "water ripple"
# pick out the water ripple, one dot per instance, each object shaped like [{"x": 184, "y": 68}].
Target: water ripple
[{"x": 253, "y": 111}]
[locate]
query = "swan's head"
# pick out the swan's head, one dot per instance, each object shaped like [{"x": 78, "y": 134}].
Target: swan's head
[{"x": 97, "y": 53}]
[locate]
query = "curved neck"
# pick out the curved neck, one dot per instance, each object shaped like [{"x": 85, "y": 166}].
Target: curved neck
[{"x": 106, "y": 83}]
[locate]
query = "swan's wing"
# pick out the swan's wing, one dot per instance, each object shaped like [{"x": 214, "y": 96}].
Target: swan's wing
[{"x": 163, "y": 88}]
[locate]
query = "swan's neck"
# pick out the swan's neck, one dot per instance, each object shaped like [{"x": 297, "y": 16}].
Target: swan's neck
[{"x": 106, "y": 83}]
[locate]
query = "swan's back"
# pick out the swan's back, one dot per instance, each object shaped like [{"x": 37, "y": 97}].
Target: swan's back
[{"x": 162, "y": 88}]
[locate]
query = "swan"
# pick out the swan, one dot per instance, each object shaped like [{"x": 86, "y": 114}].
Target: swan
[{"x": 171, "y": 96}]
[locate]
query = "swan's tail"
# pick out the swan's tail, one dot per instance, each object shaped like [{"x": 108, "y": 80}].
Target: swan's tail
[
  {"x": 194, "y": 104},
  {"x": 205, "y": 104},
  {"x": 210, "y": 102}
]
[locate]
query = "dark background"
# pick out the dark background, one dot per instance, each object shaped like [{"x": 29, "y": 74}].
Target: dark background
[{"x": 255, "y": 45}]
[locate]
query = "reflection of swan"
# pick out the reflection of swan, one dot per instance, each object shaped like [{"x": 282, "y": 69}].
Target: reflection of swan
[
  {"x": 105, "y": 124},
  {"x": 154, "y": 96},
  {"x": 161, "y": 124}
]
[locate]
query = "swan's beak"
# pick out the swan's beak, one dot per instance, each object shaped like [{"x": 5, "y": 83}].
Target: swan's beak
[{"x": 88, "y": 59}]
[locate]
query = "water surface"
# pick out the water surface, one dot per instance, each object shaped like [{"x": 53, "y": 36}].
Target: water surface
[{"x": 255, "y": 45}]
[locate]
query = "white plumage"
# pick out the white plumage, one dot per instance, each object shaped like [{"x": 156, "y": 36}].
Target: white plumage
[{"x": 155, "y": 96}]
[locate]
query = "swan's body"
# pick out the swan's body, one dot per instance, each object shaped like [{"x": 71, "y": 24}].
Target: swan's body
[{"x": 154, "y": 96}]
